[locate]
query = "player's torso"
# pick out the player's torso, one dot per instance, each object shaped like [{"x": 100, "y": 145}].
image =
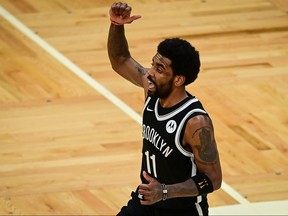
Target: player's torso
[{"x": 164, "y": 157}]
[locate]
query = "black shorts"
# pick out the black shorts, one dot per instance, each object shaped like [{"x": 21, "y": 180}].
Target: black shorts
[{"x": 134, "y": 208}]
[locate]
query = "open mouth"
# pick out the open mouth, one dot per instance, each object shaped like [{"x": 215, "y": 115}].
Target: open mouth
[{"x": 151, "y": 84}]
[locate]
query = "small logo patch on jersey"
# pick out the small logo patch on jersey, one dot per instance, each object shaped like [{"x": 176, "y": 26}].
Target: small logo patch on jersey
[
  {"x": 171, "y": 126},
  {"x": 148, "y": 109}
]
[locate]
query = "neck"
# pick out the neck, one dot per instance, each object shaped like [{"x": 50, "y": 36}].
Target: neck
[{"x": 173, "y": 99}]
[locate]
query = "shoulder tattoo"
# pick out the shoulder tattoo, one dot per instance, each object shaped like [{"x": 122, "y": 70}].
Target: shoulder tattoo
[{"x": 207, "y": 147}]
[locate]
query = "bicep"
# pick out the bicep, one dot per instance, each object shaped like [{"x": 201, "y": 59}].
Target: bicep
[{"x": 204, "y": 145}]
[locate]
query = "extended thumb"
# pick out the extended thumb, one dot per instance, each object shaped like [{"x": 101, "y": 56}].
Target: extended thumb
[
  {"x": 147, "y": 177},
  {"x": 134, "y": 17}
]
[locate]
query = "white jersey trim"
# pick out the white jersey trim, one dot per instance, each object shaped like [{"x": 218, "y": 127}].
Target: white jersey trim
[
  {"x": 173, "y": 113},
  {"x": 199, "y": 209},
  {"x": 146, "y": 102},
  {"x": 180, "y": 128}
]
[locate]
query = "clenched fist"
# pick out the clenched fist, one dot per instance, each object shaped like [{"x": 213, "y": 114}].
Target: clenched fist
[{"x": 120, "y": 14}]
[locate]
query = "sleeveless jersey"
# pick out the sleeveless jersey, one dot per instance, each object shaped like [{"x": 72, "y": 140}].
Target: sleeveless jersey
[{"x": 163, "y": 155}]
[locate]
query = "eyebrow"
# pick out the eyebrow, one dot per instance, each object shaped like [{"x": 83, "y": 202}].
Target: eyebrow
[{"x": 158, "y": 64}]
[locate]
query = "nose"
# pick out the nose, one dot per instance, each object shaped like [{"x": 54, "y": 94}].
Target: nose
[{"x": 151, "y": 72}]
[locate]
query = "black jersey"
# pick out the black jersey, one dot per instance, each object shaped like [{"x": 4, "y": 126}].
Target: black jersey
[{"x": 163, "y": 155}]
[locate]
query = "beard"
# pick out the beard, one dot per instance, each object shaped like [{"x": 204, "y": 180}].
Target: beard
[{"x": 161, "y": 90}]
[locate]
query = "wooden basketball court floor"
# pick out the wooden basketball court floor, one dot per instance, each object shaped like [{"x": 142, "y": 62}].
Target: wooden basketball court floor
[{"x": 70, "y": 133}]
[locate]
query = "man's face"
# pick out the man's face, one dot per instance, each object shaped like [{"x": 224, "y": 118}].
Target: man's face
[{"x": 160, "y": 77}]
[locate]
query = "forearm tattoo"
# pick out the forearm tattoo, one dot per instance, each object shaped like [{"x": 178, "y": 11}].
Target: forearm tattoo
[
  {"x": 141, "y": 69},
  {"x": 207, "y": 147}
]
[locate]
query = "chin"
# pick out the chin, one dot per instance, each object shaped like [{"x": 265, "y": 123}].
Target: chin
[{"x": 151, "y": 93}]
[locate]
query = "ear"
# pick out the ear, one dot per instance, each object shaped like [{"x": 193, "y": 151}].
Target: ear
[{"x": 179, "y": 80}]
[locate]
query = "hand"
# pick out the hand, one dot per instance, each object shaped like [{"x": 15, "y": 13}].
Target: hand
[
  {"x": 120, "y": 14},
  {"x": 152, "y": 191}
]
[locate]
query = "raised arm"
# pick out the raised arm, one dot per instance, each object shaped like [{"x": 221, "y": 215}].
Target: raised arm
[{"x": 118, "y": 50}]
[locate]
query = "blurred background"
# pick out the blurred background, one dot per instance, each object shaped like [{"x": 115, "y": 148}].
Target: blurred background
[{"x": 70, "y": 127}]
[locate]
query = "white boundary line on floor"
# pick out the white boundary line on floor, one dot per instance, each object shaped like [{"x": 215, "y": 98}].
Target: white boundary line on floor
[
  {"x": 92, "y": 82},
  {"x": 69, "y": 64},
  {"x": 256, "y": 208}
]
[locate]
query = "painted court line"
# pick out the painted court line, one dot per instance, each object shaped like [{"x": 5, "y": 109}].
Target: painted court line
[
  {"x": 69, "y": 64},
  {"x": 93, "y": 83}
]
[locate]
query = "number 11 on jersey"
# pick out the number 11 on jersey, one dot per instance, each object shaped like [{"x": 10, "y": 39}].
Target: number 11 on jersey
[{"x": 153, "y": 159}]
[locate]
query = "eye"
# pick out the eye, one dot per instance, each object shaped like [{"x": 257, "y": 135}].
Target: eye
[{"x": 158, "y": 69}]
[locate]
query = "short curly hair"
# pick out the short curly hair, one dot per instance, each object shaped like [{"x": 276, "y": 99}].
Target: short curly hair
[{"x": 185, "y": 58}]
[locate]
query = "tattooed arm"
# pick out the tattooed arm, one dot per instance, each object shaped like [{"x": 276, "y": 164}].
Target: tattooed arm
[
  {"x": 199, "y": 138},
  {"x": 118, "y": 49},
  {"x": 200, "y": 133}
]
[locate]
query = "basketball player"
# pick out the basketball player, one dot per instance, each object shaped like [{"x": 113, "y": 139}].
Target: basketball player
[{"x": 180, "y": 161}]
